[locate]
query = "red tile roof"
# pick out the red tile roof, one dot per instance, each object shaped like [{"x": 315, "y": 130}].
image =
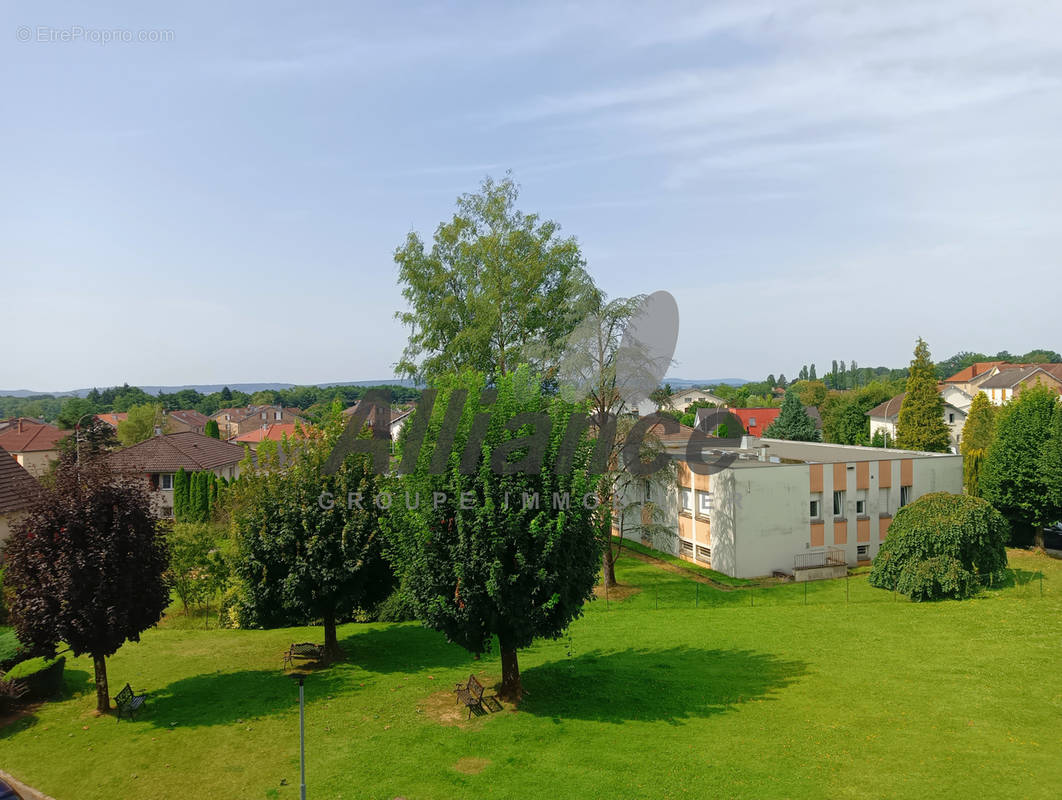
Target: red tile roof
[
  {"x": 890, "y": 408},
  {"x": 169, "y": 452},
  {"x": 274, "y": 432},
  {"x": 190, "y": 417},
  {"x": 17, "y": 487},
  {"x": 28, "y": 436},
  {"x": 113, "y": 419},
  {"x": 979, "y": 368},
  {"x": 755, "y": 420}
]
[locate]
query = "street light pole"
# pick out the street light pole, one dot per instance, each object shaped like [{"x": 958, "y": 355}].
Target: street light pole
[{"x": 302, "y": 742}]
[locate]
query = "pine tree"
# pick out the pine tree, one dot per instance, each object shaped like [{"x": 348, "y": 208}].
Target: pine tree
[
  {"x": 793, "y": 422},
  {"x": 212, "y": 430},
  {"x": 921, "y": 425},
  {"x": 1012, "y": 478},
  {"x": 782, "y": 381},
  {"x": 180, "y": 495},
  {"x": 811, "y": 374},
  {"x": 977, "y": 436}
]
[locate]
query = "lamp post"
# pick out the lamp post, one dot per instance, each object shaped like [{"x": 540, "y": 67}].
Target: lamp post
[
  {"x": 300, "y": 677},
  {"x": 77, "y": 436}
]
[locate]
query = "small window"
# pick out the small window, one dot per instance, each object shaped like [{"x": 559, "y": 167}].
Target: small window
[
  {"x": 752, "y": 422},
  {"x": 951, "y": 418},
  {"x": 838, "y": 504},
  {"x": 686, "y": 547},
  {"x": 861, "y": 506},
  {"x": 816, "y": 509},
  {"x": 648, "y": 491},
  {"x": 687, "y": 499},
  {"x": 166, "y": 481},
  {"x": 704, "y": 504},
  {"x": 276, "y": 415},
  {"x": 905, "y": 495},
  {"x": 863, "y": 551},
  {"x": 704, "y": 554}
]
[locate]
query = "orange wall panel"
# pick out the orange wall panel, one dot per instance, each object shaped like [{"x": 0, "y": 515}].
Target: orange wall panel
[
  {"x": 840, "y": 532},
  {"x": 840, "y": 479},
  {"x": 883, "y": 527},
  {"x": 816, "y": 477},
  {"x": 701, "y": 483},
  {"x": 818, "y": 536},
  {"x": 684, "y": 474},
  {"x": 885, "y": 474},
  {"x": 685, "y": 527},
  {"x": 863, "y": 530},
  {"x": 863, "y": 475},
  {"x": 704, "y": 533},
  {"x": 907, "y": 472}
]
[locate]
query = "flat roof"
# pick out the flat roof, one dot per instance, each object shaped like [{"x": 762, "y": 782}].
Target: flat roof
[{"x": 782, "y": 452}]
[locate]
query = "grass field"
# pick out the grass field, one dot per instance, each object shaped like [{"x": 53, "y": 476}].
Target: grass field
[{"x": 681, "y": 690}]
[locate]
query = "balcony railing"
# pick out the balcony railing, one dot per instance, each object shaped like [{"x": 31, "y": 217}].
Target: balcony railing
[{"x": 826, "y": 557}]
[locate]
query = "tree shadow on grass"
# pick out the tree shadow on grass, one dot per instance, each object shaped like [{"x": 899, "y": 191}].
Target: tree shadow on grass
[
  {"x": 223, "y": 698},
  {"x": 652, "y": 685},
  {"x": 402, "y": 647}
]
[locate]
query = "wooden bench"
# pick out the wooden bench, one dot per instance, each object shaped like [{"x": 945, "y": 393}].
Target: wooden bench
[
  {"x": 128, "y": 702},
  {"x": 471, "y": 694},
  {"x": 305, "y": 651}
]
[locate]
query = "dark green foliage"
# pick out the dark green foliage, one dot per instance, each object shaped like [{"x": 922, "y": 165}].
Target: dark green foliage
[
  {"x": 87, "y": 566},
  {"x": 498, "y": 566},
  {"x": 793, "y": 422},
  {"x": 300, "y": 560},
  {"x": 1012, "y": 477},
  {"x": 921, "y": 425},
  {"x": 181, "y": 488},
  {"x": 1051, "y": 463},
  {"x": 197, "y": 570},
  {"x": 212, "y": 430},
  {"x": 977, "y": 436},
  {"x": 399, "y": 606},
  {"x": 942, "y": 545}
]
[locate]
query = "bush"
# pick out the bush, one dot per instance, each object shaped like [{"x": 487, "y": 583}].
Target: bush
[
  {"x": 397, "y": 607},
  {"x": 942, "y": 545},
  {"x": 10, "y": 647},
  {"x": 41, "y": 677}
]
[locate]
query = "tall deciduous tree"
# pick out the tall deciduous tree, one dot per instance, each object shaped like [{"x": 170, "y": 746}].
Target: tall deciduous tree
[
  {"x": 793, "y": 422},
  {"x": 1051, "y": 462},
  {"x": 141, "y": 423},
  {"x": 305, "y": 552},
  {"x": 921, "y": 425},
  {"x": 496, "y": 285},
  {"x": 87, "y": 566},
  {"x": 1012, "y": 478},
  {"x": 978, "y": 433},
  {"x": 501, "y": 543}
]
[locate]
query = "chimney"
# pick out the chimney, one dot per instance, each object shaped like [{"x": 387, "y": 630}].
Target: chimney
[
  {"x": 158, "y": 430},
  {"x": 762, "y": 449}
]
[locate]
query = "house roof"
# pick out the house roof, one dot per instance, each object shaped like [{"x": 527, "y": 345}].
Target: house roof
[
  {"x": 1008, "y": 379},
  {"x": 190, "y": 417},
  {"x": 396, "y": 413},
  {"x": 762, "y": 416},
  {"x": 978, "y": 368},
  {"x": 681, "y": 436},
  {"x": 113, "y": 419},
  {"x": 28, "y": 436},
  {"x": 240, "y": 414},
  {"x": 17, "y": 487},
  {"x": 170, "y": 452},
  {"x": 890, "y": 408},
  {"x": 274, "y": 432}
]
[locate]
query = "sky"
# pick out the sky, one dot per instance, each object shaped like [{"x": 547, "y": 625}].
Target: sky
[{"x": 212, "y": 193}]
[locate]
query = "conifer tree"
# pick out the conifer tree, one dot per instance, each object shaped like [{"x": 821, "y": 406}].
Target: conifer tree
[
  {"x": 921, "y": 425},
  {"x": 212, "y": 430},
  {"x": 793, "y": 422},
  {"x": 1051, "y": 462},
  {"x": 180, "y": 495},
  {"x": 977, "y": 436}
]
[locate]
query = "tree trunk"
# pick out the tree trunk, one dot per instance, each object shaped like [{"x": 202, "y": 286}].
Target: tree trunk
[
  {"x": 511, "y": 688},
  {"x": 608, "y": 567},
  {"x": 331, "y": 643},
  {"x": 1038, "y": 539},
  {"x": 103, "y": 695}
]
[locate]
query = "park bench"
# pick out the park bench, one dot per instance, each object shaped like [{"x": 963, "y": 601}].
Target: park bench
[
  {"x": 471, "y": 694},
  {"x": 304, "y": 650},
  {"x": 128, "y": 702}
]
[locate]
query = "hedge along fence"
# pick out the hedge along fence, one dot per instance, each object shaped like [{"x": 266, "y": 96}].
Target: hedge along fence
[{"x": 196, "y": 494}]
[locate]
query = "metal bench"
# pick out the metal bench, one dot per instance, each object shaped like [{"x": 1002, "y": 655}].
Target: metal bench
[
  {"x": 305, "y": 651},
  {"x": 128, "y": 702},
  {"x": 471, "y": 694}
]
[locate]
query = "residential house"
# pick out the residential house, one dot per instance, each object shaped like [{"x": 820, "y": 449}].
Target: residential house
[
  {"x": 34, "y": 444},
  {"x": 399, "y": 417},
  {"x": 1004, "y": 386},
  {"x": 805, "y": 509},
  {"x": 969, "y": 380},
  {"x": 754, "y": 421},
  {"x": 159, "y": 458},
  {"x": 273, "y": 432},
  {"x": 681, "y": 401},
  {"x": 233, "y": 422},
  {"x": 885, "y": 416},
  {"x": 180, "y": 421},
  {"x": 18, "y": 490},
  {"x": 114, "y": 418}
]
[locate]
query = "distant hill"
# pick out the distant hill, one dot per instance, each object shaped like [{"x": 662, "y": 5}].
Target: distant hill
[
  {"x": 207, "y": 388},
  {"x": 684, "y": 383}
]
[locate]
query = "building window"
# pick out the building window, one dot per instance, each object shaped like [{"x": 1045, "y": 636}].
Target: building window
[
  {"x": 687, "y": 499},
  {"x": 166, "y": 481},
  {"x": 863, "y": 551},
  {"x": 951, "y": 418},
  {"x": 752, "y": 422},
  {"x": 883, "y": 501},
  {"x": 276, "y": 415},
  {"x": 838, "y": 504},
  {"x": 861, "y": 507},
  {"x": 704, "y": 554},
  {"x": 686, "y": 547},
  {"x": 704, "y": 504},
  {"x": 648, "y": 491},
  {"x": 816, "y": 509},
  {"x": 905, "y": 495}
]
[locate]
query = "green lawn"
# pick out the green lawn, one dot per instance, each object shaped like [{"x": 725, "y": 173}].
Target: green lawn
[{"x": 744, "y": 693}]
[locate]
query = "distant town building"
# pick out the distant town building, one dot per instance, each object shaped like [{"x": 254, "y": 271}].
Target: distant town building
[
  {"x": 18, "y": 490},
  {"x": 34, "y": 444}
]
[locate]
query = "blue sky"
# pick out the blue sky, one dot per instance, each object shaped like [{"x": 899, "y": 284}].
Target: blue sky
[{"x": 811, "y": 180}]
